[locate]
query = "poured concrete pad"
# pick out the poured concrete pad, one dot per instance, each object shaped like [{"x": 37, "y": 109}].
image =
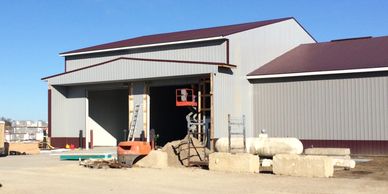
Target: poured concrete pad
[
  {"x": 306, "y": 166},
  {"x": 327, "y": 151},
  {"x": 155, "y": 159},
  {"x": 241, "y": 162}
]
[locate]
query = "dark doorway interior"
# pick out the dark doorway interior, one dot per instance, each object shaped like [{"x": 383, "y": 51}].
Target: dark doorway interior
[
  {"x": 109, "y": 109},
  {"x": 168, "y": 120}
]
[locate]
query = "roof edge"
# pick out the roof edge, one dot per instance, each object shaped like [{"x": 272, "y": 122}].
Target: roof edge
[
  {"x": 65, "y": 54},
  {"x": 304, "y": 29},
  {"x": 331, "y": 72},
  {"x": 280, "y": 20},
  {"x": 75, "y": 52},
  {"x": 143, "y": 59}
]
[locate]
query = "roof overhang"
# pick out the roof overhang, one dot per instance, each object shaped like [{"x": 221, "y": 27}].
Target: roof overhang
[
  {"x": 143, "y": 46},
  {"x": 300, "y": 74},
  {"x": 126, "y": 69}
]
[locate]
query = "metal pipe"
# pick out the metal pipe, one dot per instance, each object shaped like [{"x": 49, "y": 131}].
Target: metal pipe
[{"x": 80, "y": 143}]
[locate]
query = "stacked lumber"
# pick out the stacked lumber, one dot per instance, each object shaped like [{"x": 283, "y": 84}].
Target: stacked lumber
[{"x": 24, "y": 147}]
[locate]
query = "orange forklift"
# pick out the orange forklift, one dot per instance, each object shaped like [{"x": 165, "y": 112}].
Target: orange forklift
[{"x": 130, "y": 151}]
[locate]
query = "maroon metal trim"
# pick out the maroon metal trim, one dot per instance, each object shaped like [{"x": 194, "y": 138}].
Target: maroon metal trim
[
  {"x": 49, "y": 112},
  {"x": 60, "y": 142},
  {"x": 227, "y": 51},
  {"x": 143, "y": 59},
  {"x": 362, "y": 147}
]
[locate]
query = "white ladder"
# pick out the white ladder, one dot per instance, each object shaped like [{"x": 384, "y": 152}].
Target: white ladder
[{"x": 132, "y": 127}]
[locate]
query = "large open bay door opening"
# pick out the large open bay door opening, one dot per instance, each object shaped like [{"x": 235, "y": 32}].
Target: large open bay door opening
[{"x": 168, "y": 120}]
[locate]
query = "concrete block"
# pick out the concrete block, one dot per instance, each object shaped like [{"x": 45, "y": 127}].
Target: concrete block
[
  {"x": 299, "y": 165},
  {"x": 27, "y": 147},
  {"x": 327, "y": 151},
  {"x": 345, "y": 163},
  {"x": 155, "y": 159},
  {"x": 240, "y": 162}
]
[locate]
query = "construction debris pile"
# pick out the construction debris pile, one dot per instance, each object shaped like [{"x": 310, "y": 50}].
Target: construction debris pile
[
  {"x": 173, "y": 154},
  {"x": 178, "y": 153},
  {"x": 102, "y": 163}
]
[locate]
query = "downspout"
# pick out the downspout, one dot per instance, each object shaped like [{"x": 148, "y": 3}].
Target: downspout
[{"x": 227, "y": 51}]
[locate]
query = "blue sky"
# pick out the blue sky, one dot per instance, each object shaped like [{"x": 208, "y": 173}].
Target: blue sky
[{"x": 33, "y": 32}]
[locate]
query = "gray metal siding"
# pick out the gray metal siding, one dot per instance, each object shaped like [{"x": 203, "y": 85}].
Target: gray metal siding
[
  {"x": 250, "y": 50},
  {"x": 68, "y": 111},
  {"x": 253, "y": 48},
  {"x": 122, "y": 70},
  {"x": 334, "y": 109},
  {"x": 214, "y": 51},
  {"x": 224, "y": 103}
]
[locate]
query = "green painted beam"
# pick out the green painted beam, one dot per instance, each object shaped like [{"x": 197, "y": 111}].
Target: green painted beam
[{"x": 84, "y": 156}]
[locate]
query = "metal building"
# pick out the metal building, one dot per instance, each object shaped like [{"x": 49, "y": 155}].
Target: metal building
[
  {"x": 332, "y": 94},
  {"x": 102, "y": 84}
]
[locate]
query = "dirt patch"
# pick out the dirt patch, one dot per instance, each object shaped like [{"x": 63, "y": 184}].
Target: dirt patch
[
  {"x": 376, "y": 169},
  {"x": 178, "y": 152}
]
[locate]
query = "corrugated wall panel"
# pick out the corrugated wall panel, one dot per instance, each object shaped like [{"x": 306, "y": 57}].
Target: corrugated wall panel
[
  {"x": 250, "y": 50},
  {"x": 212, "y": 51},
  {"x": 224, "y": 103},
  {"x": 122, "y": 70},
  {"x": 332, "y": 109},
  {"x": 68, "y": 111}
]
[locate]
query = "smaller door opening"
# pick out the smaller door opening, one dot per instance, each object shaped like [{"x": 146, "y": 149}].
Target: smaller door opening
[{"x": 167, "y": 119}]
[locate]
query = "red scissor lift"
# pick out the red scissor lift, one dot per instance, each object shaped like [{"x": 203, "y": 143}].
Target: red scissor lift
[{"x": 186, "y": 97}]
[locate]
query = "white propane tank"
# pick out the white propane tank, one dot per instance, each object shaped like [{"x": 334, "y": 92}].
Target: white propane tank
[{"x": 263, "y": 146}]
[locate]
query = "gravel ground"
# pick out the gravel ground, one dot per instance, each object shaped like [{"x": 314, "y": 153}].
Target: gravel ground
[
  {"x": 375, "y": 169},
  {"x": 44, "y": 173}
]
